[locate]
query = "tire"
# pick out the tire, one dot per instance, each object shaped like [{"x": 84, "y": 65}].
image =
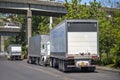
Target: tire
[
  {"x": 63, "y": 66},
  {"x": 59, "y": 65},
  {"x": 55, "y": 64},
  {"x": 32, "y": 60},
  {"x": 38, "y": 61},
  {"x": 28, "y": 61},
  {"x": 11, "y": 58}
]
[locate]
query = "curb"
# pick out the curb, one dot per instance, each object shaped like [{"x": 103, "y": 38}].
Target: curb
[{"x": 107, "y": 69}]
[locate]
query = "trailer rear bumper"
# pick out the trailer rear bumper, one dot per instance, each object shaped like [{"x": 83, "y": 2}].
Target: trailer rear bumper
[
  {"x": 83, "y": 68},
  {"x": 15, "y": 57},
  {"x": 89, "y": 68}
]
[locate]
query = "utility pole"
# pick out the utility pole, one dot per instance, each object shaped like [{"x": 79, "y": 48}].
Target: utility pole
[
  {"x": 51, "y": 21},
  {"x": 29, "y": 25}
]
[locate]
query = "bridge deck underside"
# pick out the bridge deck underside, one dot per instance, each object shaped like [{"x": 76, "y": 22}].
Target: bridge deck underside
[{"x": 37, "y": 7}]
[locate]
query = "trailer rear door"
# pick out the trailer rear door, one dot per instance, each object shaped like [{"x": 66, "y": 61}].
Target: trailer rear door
[{"x": 82, "y": 37}]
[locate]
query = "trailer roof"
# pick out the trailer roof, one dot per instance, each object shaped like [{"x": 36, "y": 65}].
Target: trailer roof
[
  {"x": 81, "y": 20},
  {"x": 76, "y": 20}
]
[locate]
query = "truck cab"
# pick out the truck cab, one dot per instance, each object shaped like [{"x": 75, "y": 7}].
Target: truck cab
[{"x": 15, "y": 51}]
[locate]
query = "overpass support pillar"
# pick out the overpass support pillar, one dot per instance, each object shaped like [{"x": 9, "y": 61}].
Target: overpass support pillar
[
  {"x": 29, "y": 25},
  {"x": 2, "y": 43}
]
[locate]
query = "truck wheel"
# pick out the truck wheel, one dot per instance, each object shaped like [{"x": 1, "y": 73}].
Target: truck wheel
[
  {"x": 28, "y": 61},
  {"x": 11, "y": 58}
]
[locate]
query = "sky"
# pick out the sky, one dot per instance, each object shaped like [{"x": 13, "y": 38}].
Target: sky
[
  {"x": 83, "y": 1},
  {"x": 104, "y": 2},
  {"x": 87, "y": 1}
]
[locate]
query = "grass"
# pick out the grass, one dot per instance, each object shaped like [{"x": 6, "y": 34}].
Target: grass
[{"x": 112, "y": 66}]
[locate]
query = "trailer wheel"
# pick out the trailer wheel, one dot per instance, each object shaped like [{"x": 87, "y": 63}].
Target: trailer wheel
[
  {"x": 60, "y": 65},
  {"x": 32, "y": 60},
  {"x": 63, "y": 66},
  {"x": 55, "y": 63},
  {"x": 38, "y": 60}
]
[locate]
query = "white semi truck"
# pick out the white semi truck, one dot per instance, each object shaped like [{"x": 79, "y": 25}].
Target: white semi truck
[
  {"x": 15, "y": 51},
  {"x": 39, "y": 50},
  {"x": 73, "y": 44}
]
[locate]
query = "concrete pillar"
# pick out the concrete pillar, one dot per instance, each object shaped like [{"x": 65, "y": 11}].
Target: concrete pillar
[
  {"x": 29, "y": 25},
  {"x": 2, "y": 43}
]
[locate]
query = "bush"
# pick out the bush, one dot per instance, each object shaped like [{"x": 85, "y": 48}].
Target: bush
[
  {"x": 96, "y": 61},
  {"x": 106, "y": 60},
  {"x": 117, "y": 61}
]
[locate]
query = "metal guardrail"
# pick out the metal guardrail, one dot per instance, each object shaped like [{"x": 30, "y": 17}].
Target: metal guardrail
[{"x": 9, "y": 30}]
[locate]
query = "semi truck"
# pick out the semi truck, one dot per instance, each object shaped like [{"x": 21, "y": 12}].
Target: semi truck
[
  {"x": 73, "y": 45},
  {"x": 39, "y": 50},
  {"x": 15, "y": 51}
]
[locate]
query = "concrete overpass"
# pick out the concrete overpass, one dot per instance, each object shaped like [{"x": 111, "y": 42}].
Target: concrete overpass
[
  {"x": 44, "y": 8},
  {"x": 32, "y": 7},
  {"x": 9, "y": 31}
]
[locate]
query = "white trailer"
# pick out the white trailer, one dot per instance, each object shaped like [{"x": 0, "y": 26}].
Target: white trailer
[
  {"x": 73, "y": 45},
  {"x": 15, "y": 51},
  {"x": 39, "y": 49}
]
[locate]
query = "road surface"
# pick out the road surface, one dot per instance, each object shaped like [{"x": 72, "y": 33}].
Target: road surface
[{"x": 20, "y": 70}]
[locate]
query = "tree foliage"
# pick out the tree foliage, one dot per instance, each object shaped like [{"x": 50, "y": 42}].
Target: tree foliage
[
  {"x": 109, "y": 34},
  {"x": 40, "y": 25}
]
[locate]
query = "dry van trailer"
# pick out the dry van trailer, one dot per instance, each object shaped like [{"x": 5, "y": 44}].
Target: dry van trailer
[
  {"x": 38, "y": 50},
  {"x": 73, "y": 44}
]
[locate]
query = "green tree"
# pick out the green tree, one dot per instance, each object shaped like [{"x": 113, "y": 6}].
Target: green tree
[
  {"x": 115, "y": 51},
  {"x": 106, "y": 30},
  {"x": 40, "y": 25},
  {"x": 76, "y": 10}
]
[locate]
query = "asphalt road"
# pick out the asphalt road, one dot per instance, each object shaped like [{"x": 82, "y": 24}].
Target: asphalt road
[{"x": 20, "y": 70}]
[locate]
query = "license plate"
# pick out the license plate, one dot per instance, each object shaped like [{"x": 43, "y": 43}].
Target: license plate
[{"x": 82, "y": 63}]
